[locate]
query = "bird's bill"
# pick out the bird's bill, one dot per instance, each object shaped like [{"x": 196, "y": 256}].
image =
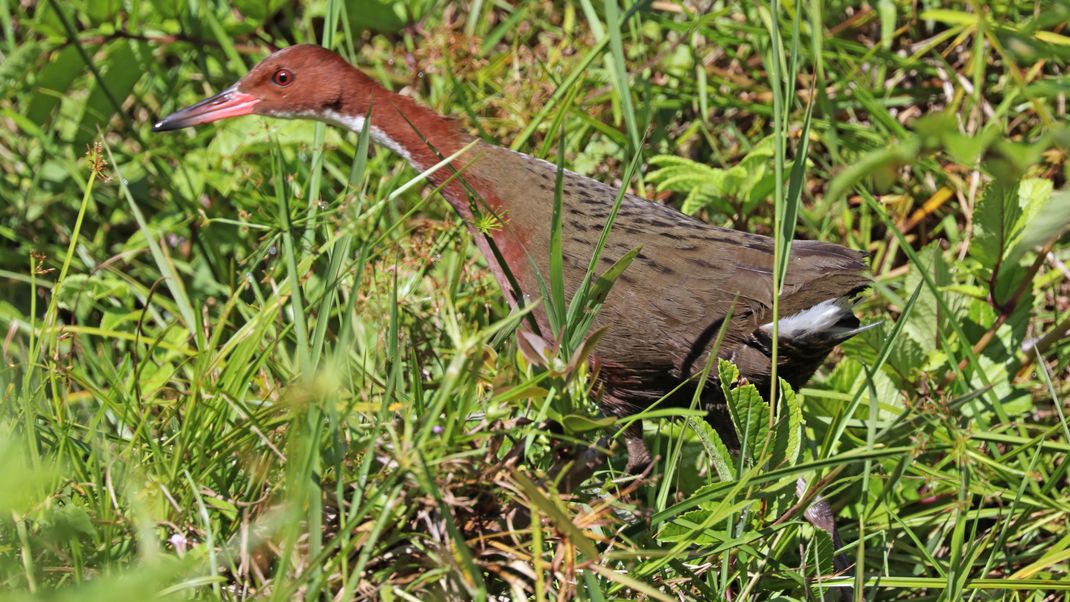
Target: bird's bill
[{"x": 228, "y": 103}]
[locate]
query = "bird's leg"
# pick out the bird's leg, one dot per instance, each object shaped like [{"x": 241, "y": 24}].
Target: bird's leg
[
  {"x": 580, "y": 467},
  {"x": 820, "y": 515},
  {"x": 638, "y": 454}
]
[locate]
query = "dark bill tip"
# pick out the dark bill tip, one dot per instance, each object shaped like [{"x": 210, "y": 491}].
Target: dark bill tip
[{"x": 228, "y": 103}]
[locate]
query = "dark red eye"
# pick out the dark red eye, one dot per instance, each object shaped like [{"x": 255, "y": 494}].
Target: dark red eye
[{"x": 283, "y": 77}]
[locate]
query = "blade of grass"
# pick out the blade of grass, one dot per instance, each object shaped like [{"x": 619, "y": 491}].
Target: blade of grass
[
  {"x": 620, "y": 72},
  {"x": 160, "y": 257},
  {"x": 340, "y": 251},
  {"x": 289, "y": 255}
]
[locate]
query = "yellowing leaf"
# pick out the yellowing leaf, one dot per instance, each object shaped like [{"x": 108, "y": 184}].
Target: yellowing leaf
[{"x": 1052, "y": 38}]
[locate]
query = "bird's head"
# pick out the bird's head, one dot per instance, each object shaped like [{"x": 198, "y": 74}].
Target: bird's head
[{"x": 303, "y": 81}]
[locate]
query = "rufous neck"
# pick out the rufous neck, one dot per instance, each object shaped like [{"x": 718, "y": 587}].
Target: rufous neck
[
  {"x": 415, "y": 132},
  {"x": 425, "y": 138}
]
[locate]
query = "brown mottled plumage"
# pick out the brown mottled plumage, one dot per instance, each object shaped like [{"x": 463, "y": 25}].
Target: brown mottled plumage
[{"x": 667, "y": 308}]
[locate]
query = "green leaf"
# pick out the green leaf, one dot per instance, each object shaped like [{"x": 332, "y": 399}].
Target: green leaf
[
  {"x": 788, "y": 442},
  {"x": 67, "y": 522},
  {"x": 555, "y": 300},
  {"x": 154, "y": 376},
  {"x": 907, "y": 358},
  {"x": 883, "y": 161},
  {"x": 102, "y": 11},
  {"x": 619, "y": 70},
  {"x": 380, "y": 15},
  {"x": 820, "y": 552},
  {"x": 967, "y": 150},
  {"x": 925, "y": 321},
  {"x": 716, "y": 450},
  {"x": 604, "y": 283},
  {"x": 950, "y": 17},
  {"x": 123, "y": 68},
  {"x": 728, "y": 374},
  {"x": 112, "y": 320},
  {"x": 1001, "y": 218},
  {"x": 228, "y": 509},
  {"x": 749, "y": 411},
  {"x": 750, "y": 415},
  {"x": 695, "y": 202},
  {"x": 1046, "y": 216},
  {"x": 52, "y": 83},
  {"x": 586, "y": 349},
  {"x": 886, "y": 10},
  {"x": 710, "y": 187},
  {"x": 686, "y": 528},
  {"x": 577, "y": 423},
  {"x": 1051, "y": 37},
  {"x": 994, "y": 220},
  {"x": 18, "y": 63},
  {"x": 680, "y": 174},
  {"x": 258, "y": 11}
]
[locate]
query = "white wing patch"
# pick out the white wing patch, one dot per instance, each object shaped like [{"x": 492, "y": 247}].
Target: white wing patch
[{"x": 820, "y": 320}]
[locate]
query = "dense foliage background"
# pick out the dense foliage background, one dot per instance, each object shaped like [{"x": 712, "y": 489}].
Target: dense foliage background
[{"x": 247, "y": 361}]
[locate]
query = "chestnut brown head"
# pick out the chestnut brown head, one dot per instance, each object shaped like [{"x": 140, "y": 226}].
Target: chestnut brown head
[{"x": 303, "y": 81}]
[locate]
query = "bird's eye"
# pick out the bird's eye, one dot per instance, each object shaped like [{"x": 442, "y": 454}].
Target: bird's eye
[{"x": 283, "y": 77}]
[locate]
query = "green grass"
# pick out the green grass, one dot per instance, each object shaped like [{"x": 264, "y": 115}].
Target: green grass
[{"x": 253, "y": 361}]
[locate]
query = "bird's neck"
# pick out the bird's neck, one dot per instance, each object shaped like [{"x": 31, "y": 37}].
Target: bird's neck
[
  {"x": 421, "y": 136},
  {"x": 424, "y": 139},
  {"x": 415, "y": 132}
]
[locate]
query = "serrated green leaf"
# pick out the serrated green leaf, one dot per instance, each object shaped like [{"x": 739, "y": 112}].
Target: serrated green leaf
[
  {"x": 716, "y": 450},
  {"x": 788, "y": 442},
  {"x": 694, "y": 202},
  {"x": 750, "y": 415},
  {"x": 1047, "y": 215},
  {"x": 728, "y": 374},
  {"x": 923, "y": 327},
  {"x": 1001, "y": 218},
  {"x": 907, "y": 358},
  {"x": 820, "y": 552}
]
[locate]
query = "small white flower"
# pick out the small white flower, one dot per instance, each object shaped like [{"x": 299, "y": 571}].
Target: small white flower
[{"x": 180, "y": 542}]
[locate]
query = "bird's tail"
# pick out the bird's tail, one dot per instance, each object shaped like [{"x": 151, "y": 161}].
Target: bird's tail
[{"x": 822, "y": 326}]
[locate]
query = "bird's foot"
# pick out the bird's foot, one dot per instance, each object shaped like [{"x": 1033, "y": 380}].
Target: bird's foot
[
  {"x": 575, "y": 470},
  {"x": 639, "y": 460},
  {"x": 819, "y": 514}
]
